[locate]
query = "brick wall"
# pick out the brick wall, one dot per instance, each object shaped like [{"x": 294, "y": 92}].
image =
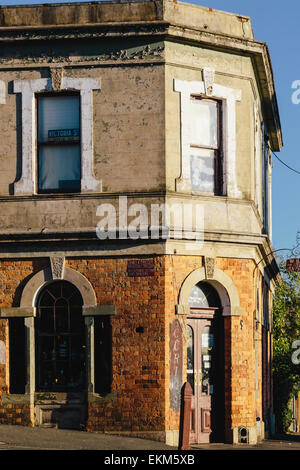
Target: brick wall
[
  {"x": 139, "y": 400},
  {"x": 15, "y": 414},
  {"x": 240, "y": 400},
  {"x": 3, "y": 369},
  {"x": 137, "y": 358}
]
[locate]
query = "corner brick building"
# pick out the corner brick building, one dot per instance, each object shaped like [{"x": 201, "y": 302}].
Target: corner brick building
[{"x": 112, "y": 113}]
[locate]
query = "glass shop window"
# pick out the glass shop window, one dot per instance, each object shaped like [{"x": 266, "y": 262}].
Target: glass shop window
[
  {"x": 58, "y": 143},
  {"x": 207, "y": 343},
  {"x": 60, "y": 339},
  {"x": 190, "y": 355},
  {"x": 206, "y": 165}
]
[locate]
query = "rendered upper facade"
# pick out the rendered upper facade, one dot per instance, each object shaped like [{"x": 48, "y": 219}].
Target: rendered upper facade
[{"x": 112, "y": 115}]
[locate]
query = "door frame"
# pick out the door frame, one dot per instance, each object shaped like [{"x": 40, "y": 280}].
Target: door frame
[{"x": 201, "y": 417}]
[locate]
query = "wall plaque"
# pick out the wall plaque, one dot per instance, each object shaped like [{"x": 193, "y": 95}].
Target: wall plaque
[
  {"x": 140, "y": 267},
  {"x": 175, "y": 364}
]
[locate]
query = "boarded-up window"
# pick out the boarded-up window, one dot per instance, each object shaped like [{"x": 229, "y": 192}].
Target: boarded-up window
[
  {"x": 59, "y": 162},
  {"x": 17, "y": 356},
  {"x": 205, "y": 145}
]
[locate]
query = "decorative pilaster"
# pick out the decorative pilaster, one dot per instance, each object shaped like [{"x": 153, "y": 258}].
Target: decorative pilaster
[
  {"x": 90, "y": 357},
  {"x": 30, "y": 354}
]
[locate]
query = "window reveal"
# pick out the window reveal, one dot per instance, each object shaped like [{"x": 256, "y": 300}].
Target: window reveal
[
  {"x": 205, "y": 145},
  {"x": 59, "y": 156}
]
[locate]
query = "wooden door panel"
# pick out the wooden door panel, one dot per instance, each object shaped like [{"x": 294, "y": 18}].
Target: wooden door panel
[
  {"x": 205, "y": 420},
  {"x": 201, "y": 401}
]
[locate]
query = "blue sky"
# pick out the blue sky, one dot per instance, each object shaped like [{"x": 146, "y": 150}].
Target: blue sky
[{"x": 277, "y": 24}]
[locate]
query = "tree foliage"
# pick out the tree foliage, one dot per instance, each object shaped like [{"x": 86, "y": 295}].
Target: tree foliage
[{"x": 286, "y": 330}]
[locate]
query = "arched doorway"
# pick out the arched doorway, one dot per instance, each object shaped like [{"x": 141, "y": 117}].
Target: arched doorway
[
  {"x": 60, "y": 339},
  {"x": 205, "y": 363}
]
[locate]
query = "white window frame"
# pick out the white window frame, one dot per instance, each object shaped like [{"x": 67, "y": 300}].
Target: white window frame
[
  {"x": 28, "y": 183},
  {"x": 228, "y": 96},
  {"x": 266, "y": 178}
]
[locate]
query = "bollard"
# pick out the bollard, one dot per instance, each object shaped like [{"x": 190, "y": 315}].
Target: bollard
[{"x": 184, "y": 435}]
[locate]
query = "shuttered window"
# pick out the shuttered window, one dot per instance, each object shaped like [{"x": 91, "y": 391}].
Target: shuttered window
[
  {"x": 59, "y": 160},
  {"x": 205, "y": 136}
]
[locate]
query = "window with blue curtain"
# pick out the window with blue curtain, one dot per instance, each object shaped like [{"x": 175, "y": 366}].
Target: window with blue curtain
[{"x": 59, "y": 159}]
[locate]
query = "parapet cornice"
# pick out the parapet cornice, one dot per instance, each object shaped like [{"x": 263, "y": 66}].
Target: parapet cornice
[
  {"x": 107, "y": 30},
  {"x": 161, "y": 30}
]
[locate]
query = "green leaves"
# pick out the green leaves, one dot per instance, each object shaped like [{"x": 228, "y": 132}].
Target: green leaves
[{"x": 286, "y": 329}]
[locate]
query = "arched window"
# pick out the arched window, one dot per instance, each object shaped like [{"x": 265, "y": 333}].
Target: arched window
[
  {"x": 204, "y": 295},
  {"x": 60, "y": 339}
]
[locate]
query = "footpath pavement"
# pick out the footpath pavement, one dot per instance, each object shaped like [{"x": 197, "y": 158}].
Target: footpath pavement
[
  {"x": 36, "y": 438},
  {"x": 26, "y": 438}
]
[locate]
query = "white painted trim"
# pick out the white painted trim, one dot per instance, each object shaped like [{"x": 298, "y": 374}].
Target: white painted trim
[
  {"x": 2, "y": 92},
  {"x": 28, "y": 184},
  {"x": 270, "y": 215},
  {"x": 229, "y": 96},
  {"x": 223, "y": 284},
  {"x": 86, "y": 87},
  {"x": 37, "y": 282},
  {"x": 257, "y": 153}
]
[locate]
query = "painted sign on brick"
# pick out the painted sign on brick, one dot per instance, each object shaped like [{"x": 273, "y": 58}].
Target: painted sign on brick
[
  {"x": 140, "y": 267},
  {"x": 175, "y": 364}
]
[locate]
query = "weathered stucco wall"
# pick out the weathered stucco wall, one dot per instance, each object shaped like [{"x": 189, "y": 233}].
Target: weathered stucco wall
[
  {"x": 128, "y": 124},
  {"x": 104, "y": 12},
  {"x": 98, "y": 12},
  {"x": 129, "y": 129},
  {"x": 136, "y": 112},
  {"x": 186, "y": 62}
]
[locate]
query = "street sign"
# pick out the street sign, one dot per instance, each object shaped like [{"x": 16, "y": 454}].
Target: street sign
[{"x": 63, "y": 134}]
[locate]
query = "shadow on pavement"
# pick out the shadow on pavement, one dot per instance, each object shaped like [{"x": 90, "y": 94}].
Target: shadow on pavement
[{"x": 292, "y": 437}]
